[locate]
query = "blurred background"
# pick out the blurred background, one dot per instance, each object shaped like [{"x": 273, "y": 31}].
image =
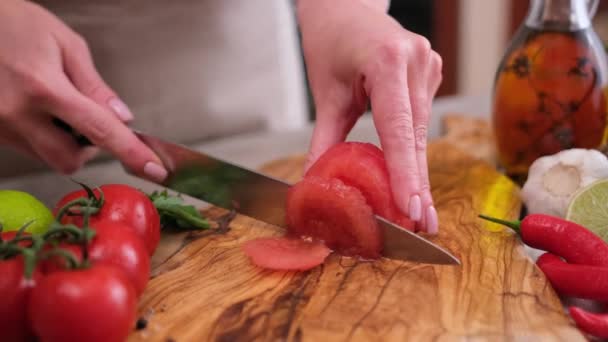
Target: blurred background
[{"x": 471, "y": 36}]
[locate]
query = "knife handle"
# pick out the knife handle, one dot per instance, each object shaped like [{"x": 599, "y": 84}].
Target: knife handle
[{"x": 80, "y": 139}]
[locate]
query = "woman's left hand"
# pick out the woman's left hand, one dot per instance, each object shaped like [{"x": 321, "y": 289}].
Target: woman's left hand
[{"x": 355, "y": 54}]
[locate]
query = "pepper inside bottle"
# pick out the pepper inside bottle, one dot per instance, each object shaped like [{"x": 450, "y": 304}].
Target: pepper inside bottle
[{"x": 550, "y": 90}]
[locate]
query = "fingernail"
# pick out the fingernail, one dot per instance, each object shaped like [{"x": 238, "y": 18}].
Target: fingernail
[
  {"x": 121, "y": 109},
  {"x": 432, "y": 222},
  {"x": 155, "y": 171},
  {"x": 415, "y": 208}
]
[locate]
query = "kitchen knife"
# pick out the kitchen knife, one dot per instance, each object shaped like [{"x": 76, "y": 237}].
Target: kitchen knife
[{"x": 261, "y": 197}]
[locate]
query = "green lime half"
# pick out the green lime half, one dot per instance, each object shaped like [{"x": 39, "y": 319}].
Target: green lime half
[
  {"x": 589, "y": 208},
  {"x": 18, "y": 208}
]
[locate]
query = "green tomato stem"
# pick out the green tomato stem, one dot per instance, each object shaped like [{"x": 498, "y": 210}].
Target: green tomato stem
[
  {"x": 58, "y": 229},
  {"x": 67, "y": 255},
  {"x": 81, "y": 202},
  {"x": 30, "y": 260}
]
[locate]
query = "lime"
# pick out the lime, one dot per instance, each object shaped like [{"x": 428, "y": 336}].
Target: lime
[
  {"x": 589, "y": 208},
  {"x": 18, "y": 208}
]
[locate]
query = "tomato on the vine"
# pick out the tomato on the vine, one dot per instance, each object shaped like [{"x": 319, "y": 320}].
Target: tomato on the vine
[
  {"x": 114, "y": 245},
  {"x": 123, "y": 204},
  {"x": 15, "y": 290},
  {"x": 96, "y": 304}
]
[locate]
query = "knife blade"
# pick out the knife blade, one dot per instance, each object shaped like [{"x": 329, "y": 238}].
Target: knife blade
[
  {"x": 262, "y": 197},
  {"x": 229, "y": 186}
]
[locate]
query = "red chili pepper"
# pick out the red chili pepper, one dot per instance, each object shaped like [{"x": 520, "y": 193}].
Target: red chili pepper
[
  {"x": 589, "y": 322},
  {"x": 579, "y": 281},
  {"x": 573, "y": 242}
]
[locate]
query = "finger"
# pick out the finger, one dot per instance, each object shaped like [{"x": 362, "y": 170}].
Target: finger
[
  {"x": 392, "y": 114},
  {"x": 419, "y": 97},
  {"x": 52, "y": 145},
  {"x": 106, "y": 131},
  {"x": 430, "y": 220},
  {"x": 79, "y": 66},
  {"x": 331, "y": 127}
]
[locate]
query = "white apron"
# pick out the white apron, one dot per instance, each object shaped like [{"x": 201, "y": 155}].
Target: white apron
[{"x": 192, "y": 70}]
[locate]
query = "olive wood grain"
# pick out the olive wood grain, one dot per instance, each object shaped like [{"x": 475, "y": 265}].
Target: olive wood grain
[{"x": 205, "y": 289}]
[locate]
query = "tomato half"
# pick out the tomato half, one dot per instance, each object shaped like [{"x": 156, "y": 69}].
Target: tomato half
[
  {"x": 15, "y": 291},
  {"x": 335, "y": 213},
  {"x": 285, "y": 253},
  {"x": 114, "y": 245},
  {"x": 362, "y": 165},
  {"x": 123, "y": 204},
  {"x": 97, "y": 304}
]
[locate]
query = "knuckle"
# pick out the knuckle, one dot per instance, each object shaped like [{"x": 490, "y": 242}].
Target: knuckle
[
  {"x": 420, "y": 135},
  {"x": 402, "y": 128},
  {"x": 99, "y": 130},
  {"x": 421, "y": 47},
  {"x": 436, "y": 67},
  {"x": 95, "y": 89},
  {"x": 79, "y": 44},
  {"x": 436, "y": 62},
  {"x": 392, "y": 51}
]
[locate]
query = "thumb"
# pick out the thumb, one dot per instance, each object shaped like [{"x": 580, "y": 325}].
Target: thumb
[
  {"x": 79, "y": 67},
  {"x": 331, "y": 127}
]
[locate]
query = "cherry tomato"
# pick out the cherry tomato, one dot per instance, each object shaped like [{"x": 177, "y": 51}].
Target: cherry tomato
[
  {"x": 123, "y": 204},
  {"x": 15, "y": 291},
  {"x": 97, "y": 304},
  {"x": 114, "y": 245}
]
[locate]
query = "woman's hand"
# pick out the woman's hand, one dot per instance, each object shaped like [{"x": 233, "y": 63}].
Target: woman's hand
[
  {"x": 355, "y": 53},
  {"x": 46, "y": 72}
]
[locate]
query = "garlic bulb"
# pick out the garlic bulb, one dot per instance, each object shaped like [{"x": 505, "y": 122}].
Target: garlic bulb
[{"x": 553, "y": 180}]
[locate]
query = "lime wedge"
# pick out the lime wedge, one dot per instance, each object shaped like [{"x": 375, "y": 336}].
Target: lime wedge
[{"x": 589, "y": 208}]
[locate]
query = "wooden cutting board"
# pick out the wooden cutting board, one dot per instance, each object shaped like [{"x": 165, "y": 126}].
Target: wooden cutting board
[{"x": 205, "y": 289}]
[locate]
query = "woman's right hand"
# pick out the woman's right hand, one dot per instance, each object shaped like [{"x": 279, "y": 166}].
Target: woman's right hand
[{"x": 46, "y": 72}]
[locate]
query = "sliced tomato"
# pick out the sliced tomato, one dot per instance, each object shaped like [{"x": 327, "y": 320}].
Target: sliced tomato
[
  {"x": 362, "y": 166},
  {"x": 335, "y": 213},
  {"x": 286, "y": 253}
]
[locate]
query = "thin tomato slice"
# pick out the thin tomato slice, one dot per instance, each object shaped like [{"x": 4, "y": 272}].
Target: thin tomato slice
[
  {"x": 286, "y": 253},
  {"x": 362, "y": 165},
  {"x": 335, "y": 213}
]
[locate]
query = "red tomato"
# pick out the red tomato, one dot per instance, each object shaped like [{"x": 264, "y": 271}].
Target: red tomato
[
  {"x": 114, "y": 245},
  {"x": 123, "y": 204},
  {"x": 362, "y": 166},
  {"x": 15, "y": 291},
  {"x": 97, "y": 304},
  {"x": 286, "y": 253},
  {"x": 335, "y": 213}
]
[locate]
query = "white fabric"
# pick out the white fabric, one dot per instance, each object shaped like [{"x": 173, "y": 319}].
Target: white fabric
[{"x": 193, "y": 70}]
